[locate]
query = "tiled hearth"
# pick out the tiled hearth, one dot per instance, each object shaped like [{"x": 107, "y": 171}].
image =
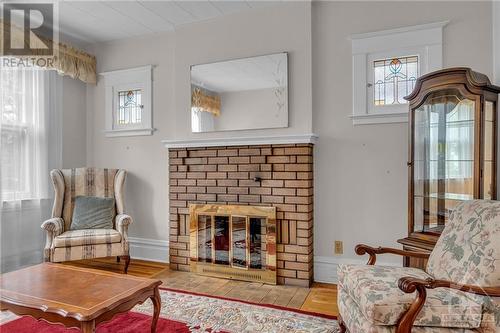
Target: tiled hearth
[{"x": 230, "y": 175}]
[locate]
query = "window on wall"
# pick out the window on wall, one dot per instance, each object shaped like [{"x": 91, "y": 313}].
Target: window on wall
[
  {"x": 129, "y": 102},
  {"x": 29, "y": 131},
  {"x": 14, "y": 133},
  {"x": 386, "y": 65},
  {"x": 129, "y": 107},
  {"x": 394, "y": 78}
]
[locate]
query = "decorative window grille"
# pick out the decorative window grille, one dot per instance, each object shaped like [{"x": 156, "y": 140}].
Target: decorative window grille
[
  {"x": 130, "y": 107},
  {"x": 394, "y": 79}
]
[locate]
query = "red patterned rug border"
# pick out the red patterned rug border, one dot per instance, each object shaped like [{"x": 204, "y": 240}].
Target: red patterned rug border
[{"x": 272, "y": 306}]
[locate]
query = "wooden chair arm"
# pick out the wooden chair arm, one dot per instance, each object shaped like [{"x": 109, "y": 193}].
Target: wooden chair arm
[
  {"x": 411, "y": 284},
  {"x": 362, "y": 249},
  {"x": 408, "y": 285}
]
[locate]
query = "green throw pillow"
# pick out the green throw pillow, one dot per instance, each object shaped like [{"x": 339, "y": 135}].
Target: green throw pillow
[{"x": 93, "y": 213}]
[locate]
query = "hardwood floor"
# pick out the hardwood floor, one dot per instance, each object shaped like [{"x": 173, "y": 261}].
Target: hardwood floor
[
  {"x": 320, "y": 298},
  {"x": 137, "y": 267}
]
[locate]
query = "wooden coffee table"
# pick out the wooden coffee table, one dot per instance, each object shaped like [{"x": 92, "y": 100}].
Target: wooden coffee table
[{"x": 75, "y": 297}]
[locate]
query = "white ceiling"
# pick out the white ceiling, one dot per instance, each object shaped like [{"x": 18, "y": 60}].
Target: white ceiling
[
  {"x": 98, "y": 21},
  {"x": 262, "y": 72}
]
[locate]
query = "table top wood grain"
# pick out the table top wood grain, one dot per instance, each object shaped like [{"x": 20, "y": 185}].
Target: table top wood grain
[{"x": 72, "y": 292}]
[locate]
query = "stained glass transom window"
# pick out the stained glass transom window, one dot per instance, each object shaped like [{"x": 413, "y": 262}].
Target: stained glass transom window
[
  {"x": 394, "y": 79},
  {"x": 129, "y": 107}
]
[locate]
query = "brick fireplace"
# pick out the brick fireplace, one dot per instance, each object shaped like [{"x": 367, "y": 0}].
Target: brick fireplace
[{"x": 280, "y": 176}]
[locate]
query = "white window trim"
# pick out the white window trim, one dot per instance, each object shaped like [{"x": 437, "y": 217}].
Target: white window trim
[
  {"x": 129, "y": 79},
  {"x": 425, "y": 41}
]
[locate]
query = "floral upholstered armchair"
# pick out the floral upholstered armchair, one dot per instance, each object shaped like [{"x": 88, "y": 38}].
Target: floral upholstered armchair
[
  {"x": 459, "y": 292},
  {"x": 64, "y": 244}
]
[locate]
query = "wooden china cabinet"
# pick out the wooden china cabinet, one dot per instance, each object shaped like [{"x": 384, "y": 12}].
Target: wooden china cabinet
[{"x": 452, "y": 151}]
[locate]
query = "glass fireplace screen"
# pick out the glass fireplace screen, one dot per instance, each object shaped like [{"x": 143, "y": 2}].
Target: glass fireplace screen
[
  {"x": 230, "y": 239},
  {"x": 236, "y": 241}
]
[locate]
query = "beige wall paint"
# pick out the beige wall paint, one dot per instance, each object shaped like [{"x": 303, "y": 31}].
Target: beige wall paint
[
  {"x": 250, "y": 109},
  {"x": 74, "y": 123},
  {"x": 282, "y": 28},
  {"x": 496, "y": 41},
  {"x": 142, "y": 156},
  {"x": 360, "y": 171},
  {"x": 255, "y": 32}
]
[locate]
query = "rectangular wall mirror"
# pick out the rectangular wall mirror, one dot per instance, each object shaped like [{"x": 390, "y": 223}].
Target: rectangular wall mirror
[{"x": 241, "y": 94}]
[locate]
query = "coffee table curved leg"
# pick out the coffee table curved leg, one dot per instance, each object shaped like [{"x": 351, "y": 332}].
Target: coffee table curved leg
[
  {"x": 157, "y": 307},
  {"x": 88, "y": 326}
]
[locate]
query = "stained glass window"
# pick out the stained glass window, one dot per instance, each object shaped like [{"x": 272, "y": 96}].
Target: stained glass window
[
  {"x": 129, "y": 107},
  {"x": 394, "y": 79}
]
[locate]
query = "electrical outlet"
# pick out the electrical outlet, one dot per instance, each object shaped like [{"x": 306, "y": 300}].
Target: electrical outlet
[{"x": 339, "y": 247}]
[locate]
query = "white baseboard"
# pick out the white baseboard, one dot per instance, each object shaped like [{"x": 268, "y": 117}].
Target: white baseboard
[
  {"x": 325, "y": 268},
  {"x": 148, "y": 249}
]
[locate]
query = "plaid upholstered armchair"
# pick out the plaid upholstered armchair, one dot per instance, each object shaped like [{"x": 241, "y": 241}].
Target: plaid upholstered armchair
[
  {"x": 458, "y": 293},
  {"x": 63, "y": 244}
]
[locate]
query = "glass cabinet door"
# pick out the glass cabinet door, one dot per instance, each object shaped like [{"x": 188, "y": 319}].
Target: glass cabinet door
[
  {"x": 443, "y": 158},
  {"x": 489, "y": 151}
]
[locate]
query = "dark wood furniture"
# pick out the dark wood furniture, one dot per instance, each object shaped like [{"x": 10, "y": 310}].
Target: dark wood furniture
[
  {"x": 75, "y": 297},
  {"x": 410, "y": 285},
  {"x": 452, "y": 151}
]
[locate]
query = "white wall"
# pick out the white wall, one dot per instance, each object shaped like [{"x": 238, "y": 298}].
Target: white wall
[
  {"x": 254, "y": 32},
  {"x": 281, "y": 28},
  {"x": 496, "y": 41},
  {"x": 142, "y": 156},
  {"x": 360, "y": 171},
  {"x": 250, "y": 109},
  {"x": 74, "y": 123}
]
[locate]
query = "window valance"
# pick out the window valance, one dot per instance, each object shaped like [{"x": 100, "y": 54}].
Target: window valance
[
  {"x": 205, "y": 102},
  {"x": 66, "y": 60}
]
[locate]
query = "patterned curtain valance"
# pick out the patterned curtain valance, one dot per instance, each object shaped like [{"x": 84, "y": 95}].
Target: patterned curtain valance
[
  {"x": 204, "y": 102},
  {"x": 66, "y": 60}
]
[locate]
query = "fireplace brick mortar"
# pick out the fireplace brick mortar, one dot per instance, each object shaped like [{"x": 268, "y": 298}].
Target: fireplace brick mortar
[{"x": 226, "y": 175}]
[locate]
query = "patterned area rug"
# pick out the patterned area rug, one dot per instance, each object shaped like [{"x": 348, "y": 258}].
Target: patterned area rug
[{"x": 184, "y": 312}]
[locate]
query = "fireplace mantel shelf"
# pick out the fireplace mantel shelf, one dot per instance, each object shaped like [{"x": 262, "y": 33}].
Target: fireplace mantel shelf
[{"x": 241, "y": 141}]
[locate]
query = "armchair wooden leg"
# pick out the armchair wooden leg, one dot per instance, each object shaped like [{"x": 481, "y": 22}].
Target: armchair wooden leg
[
  {"x": 127, "y": 262},
  {"x": 118, "y": 259}
]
